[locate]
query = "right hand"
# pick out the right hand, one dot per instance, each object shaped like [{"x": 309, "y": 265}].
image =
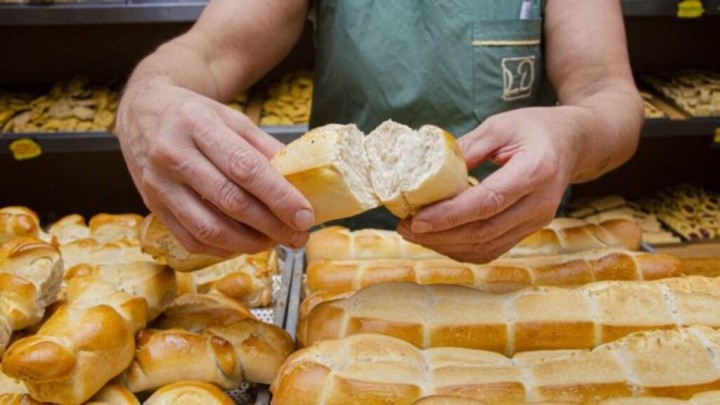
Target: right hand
[{"x": 204, "y": 169}]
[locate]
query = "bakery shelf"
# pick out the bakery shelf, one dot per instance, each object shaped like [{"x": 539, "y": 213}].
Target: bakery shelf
[
  {"x": 70, "y": 142},
  {"x": 662, "y": 8},
  {"x": 144, "y": 11},
  {"x": 100, "y": 13},
  {"x": 689, "y": 127}
]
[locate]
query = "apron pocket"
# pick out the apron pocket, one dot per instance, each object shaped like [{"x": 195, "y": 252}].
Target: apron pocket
[{"x": 508, "y": 66}]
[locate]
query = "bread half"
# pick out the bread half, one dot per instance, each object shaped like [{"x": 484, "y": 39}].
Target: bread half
[
  {"x": 411, "y": 169},
  {"x": 329, "y": 166}
]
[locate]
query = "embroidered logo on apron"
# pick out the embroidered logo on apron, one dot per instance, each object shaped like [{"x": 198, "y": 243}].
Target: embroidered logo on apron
[{"x": 518, "y": 77}]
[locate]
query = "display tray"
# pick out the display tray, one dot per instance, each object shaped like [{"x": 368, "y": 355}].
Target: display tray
[{"x": 284, "y": 314}]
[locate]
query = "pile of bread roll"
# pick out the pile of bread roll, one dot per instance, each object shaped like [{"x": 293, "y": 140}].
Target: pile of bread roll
[
  {"x": 289, "y": 100},
  {"x": 87, "y": 317},
  {"x": 573, "y": 314}
]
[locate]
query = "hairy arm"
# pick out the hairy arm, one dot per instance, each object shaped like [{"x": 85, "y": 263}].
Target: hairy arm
[
  {"x": 202, "y": 167},
  {"x": 588, "y": 64}
]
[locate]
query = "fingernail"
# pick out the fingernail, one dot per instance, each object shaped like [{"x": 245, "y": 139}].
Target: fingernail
[
  {"x": 303, "y": 219},
  {"x": 421, "y": 227}
]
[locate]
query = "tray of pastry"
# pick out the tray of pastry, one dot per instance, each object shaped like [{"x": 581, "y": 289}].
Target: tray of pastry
[{"x": 152, "y": 325}]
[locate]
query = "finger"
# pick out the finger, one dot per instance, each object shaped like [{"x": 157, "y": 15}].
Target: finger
[
  {"x": 186, "y": 239},
  {"x": 230, "y": 199},
  {"x": 479, "y": 231},
  {"x": 487, "y": 251},
  {"x": 265, "y": 143},
  {"x": 239, "y": 161},
  {"x": 493, "y": 195},
  {"x": 210, "y": 227}
]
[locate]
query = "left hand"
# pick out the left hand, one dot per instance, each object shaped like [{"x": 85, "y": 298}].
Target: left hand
[{"x": 537, "y": 149}]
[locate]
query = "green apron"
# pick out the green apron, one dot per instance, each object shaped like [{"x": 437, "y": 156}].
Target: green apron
[{"x": 450, "y": 63}]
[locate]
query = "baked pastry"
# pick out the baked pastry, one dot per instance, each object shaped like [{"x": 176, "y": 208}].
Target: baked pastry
[
  {"x": 18, "y": 222},
  {"x": 245, "y": 351},
  {"x": 502, "y": 275},
  {"x": 343, "y": 173},
  {"x": 189, "y": 393},
  {"x": 568, "y": 235},
  {"x": 340, "y": 243},
  {"x": 197, "y": 312},
  {"x": 382, "y": 369},
  {"x": 89, "y": 341},
  {"x": 30, "y": 278},
  {"x": 538, "y": 318}
]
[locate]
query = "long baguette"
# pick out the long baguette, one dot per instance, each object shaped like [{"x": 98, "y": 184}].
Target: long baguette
[
  {"x": 340, "y": 243},
  {"x": 539, "y": 318},
  {"x": 567, "y": 235},
  {"x": 703, "y": 398},
  {"x": 245, "y": 351},
  {"x": 499, "y": 276},
  {"x": 563, "y": 235},
  {"x": 383, "y": 369}
]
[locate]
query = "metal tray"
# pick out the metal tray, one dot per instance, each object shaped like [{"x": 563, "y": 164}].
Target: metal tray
[{"x": 284, "y": 314}]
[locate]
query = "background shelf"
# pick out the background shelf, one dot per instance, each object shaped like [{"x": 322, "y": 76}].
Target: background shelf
[{"x": 120, "y": 12}]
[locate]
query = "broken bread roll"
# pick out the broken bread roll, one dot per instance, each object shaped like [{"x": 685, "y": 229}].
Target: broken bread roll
[{"x": 343, "y": 173}]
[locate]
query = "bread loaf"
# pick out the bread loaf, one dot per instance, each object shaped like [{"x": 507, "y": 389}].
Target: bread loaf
[
  {"x": 189, "y": 393},
  {"x": 90, "y": 340},
  {"x": 114, "y": 394},
  {"x": 68, "y": 229},
  {"x": 92, "y": 252},
  {"x": 703, "y": 398},
  {"x": 157, "y": 241},
  {"x": 245, "y": 278},
  {"x": 103, "y": 228},
  {"x": 247, "y": 350},
  {"x": 502, "y": 275},
  {"x": 538, "y": 318},
  {"x": 383, "y": 369},
  {"x": 197, "y": 312},
  {"x": 30, "y": 278},
  {"x": 18, "y": 222},
  {"x": 567, "y": 235},
  {"x": 340, "y": 243},
  {"x": 342, "y": 173}
]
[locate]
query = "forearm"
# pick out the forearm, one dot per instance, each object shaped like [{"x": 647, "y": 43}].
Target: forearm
[
  {"x": 607, "y": 125},
  {"x": 177, "y": 63}
]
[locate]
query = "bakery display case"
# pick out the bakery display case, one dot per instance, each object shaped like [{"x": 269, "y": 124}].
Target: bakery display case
[{"x": 636, "y": 255}]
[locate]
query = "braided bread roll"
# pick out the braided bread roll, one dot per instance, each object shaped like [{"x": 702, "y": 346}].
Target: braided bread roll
[
  {"x": 113, "y": 394},
  {"x": 247, "y": 350},
  {"x": 499, "y": 276},
  {"x": 103, "y": 228},
  {"x": 197, "y": 312},
  {"x": 91, "y": 340},
  {"x": 567, "y": 235},
  {"x": 383, "y": 369},
  {"x": 90, "y": 251},
  {"x": 189, "y": 393},
  {"x": 30, "y": 278},
  {"x": 540, "y": 318},
  {"x": 18, "y": 222},
  {"x": 245, "y": 278}
]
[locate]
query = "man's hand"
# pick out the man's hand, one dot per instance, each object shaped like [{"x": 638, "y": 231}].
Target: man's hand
[
  {"x": 536, "y": 149},
  {"x": 204, "y": 169},
  {"x": 542, "y": 150}
]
